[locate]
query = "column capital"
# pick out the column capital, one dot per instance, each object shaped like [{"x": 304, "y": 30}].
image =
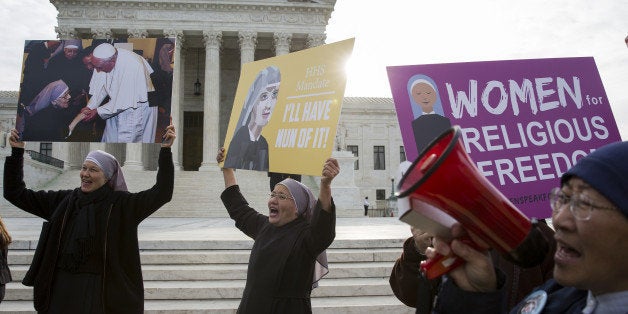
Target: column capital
[
  {"x": 315, "y": 40},
  {"x": 212, "y": 39},
  {"x": 101, "y": 33},
  {"x": 176, "y": 34},
  {"x": 282, "y": 43},
  {"x": 66, "y": 32},
  {"x": 247, "y": 40},
  {"x": 137, "y": 33}
]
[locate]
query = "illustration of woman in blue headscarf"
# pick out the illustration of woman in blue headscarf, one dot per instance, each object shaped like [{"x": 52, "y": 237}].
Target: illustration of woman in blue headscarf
[
  {"x": 248, "y": 148},
  {"x": 427, "y": 108}
]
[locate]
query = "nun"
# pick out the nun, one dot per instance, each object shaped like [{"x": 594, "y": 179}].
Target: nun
[{"x": 87, "y": 257}]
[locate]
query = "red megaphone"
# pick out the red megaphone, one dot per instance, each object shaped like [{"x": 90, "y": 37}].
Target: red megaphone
[{"x": 445, "y": 177}]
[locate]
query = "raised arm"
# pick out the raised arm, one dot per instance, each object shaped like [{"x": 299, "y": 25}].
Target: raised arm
[
  {"x": 478, "y": 273},
  {"x": 330, "y": 171},
  {"x": 14, "y": 139},
  {"x": 161, "y": 193},
  {"x": 227, "y": 173}
]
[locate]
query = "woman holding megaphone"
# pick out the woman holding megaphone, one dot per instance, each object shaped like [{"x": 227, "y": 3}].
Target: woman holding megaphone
[{"x": 590, "y": 217}]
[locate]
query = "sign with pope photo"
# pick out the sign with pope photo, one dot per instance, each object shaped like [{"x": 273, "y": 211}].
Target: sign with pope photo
[
  {"x": 96, "y": 90},
  {"x": 286, "y": 109},
  {"x": 524, "y": 122}
]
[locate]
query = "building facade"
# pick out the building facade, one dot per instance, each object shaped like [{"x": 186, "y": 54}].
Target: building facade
[{"x": 213, "y": 40}]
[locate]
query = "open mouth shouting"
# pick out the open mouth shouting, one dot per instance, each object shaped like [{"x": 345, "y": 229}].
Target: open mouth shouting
[
  {"x": 565, "y": 254},
  {"x": 273, "y": 213}
]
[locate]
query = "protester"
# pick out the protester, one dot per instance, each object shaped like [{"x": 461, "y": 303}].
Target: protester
[
  {"x": 412, "y": 288},
  {"x": 590, "y": 217},
  {"x": 5, "y": 273},
  {"x": 288, "y": 256},
  {"x": 87, "y": 257}
]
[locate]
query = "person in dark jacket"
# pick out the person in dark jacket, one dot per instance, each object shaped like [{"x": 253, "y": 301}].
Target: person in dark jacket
[
  {"x": 288, "y": 256},
  {"x": 412, "y": 288},
  {"x": 590, "y": 217},
  {"x": 5, "y": 273},
  {"x": 87, "y": 258}
]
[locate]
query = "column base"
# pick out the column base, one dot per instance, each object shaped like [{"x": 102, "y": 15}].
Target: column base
[
  {"x": 209, "y": 166},
  {"x": 133, "y": 165}
]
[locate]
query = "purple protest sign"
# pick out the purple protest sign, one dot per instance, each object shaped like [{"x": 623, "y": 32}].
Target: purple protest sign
[{"x": 524, "y": 122}]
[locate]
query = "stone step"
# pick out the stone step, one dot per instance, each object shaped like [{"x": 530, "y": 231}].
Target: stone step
[
  {"x": 244, "y": 244},
  {"x": 328, "y": 305},
  {"x": 173, "y": 257},
  {"x": 199, "y": 266},
  {"x": 230, "y": 289},
  {"x": 236, "y": 271}
]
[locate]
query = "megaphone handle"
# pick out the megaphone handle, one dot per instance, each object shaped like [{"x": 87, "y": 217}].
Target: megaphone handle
[{"x": 440, "y": 265}]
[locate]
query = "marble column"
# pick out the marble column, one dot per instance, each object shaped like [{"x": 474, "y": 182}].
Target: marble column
[
  {"x": 133, "y": 157},
  {"x": 282, "y": 43},
  {"x": 315, "y": 40},
  {"x": 211, "y": 100},
  {"x": 101, "y": 33},
  {"x": 97, "y": 145},
  {"x": 73, "y": 155},
  {"x": 247, "y": 41},
  {"x": 177, "y": 95},
  {"x": 66, "y": 32},
  {"x": 137, "y": 33}
]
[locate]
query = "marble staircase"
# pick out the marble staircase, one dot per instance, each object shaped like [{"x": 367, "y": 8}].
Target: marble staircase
[{"x": 191, "y": 276}]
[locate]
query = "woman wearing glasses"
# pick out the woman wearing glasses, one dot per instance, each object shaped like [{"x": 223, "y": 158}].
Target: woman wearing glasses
[
  {"x": 590, "y": 217},
  {"x": 288, "y": 255},
  {"x": 248, "y": 148}
]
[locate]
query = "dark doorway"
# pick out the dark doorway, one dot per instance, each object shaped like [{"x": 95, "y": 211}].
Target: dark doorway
[{"x": 192, "y": 140}]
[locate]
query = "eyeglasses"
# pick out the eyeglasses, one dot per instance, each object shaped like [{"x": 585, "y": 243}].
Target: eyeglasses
[
  {"x": 280, "y": 196},
  {"x": 580, "y": 206}
]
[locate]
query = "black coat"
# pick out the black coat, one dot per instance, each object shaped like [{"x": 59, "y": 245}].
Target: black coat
[
  {"x": 281, "y": 266},
  {"x": 5, "y": 274},
  {"x": 122, "y": 276},
  {"x": 560, "y": 300}
]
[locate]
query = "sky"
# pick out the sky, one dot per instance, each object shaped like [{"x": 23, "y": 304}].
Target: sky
[{"x": 408, "y": 32}]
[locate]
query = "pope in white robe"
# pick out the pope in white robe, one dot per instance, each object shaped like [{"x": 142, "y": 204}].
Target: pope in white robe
[{"x": 124, "y": 76}]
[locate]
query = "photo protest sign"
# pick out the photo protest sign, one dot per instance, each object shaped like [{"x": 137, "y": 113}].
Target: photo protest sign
[
  {"x": 286, "y": 110},
  {"x": 96, "y": 90},
  {"x": 524, "y": 122}
]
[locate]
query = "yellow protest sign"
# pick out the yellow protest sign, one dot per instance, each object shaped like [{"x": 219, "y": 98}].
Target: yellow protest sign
[{"x": 286, "y": 110}]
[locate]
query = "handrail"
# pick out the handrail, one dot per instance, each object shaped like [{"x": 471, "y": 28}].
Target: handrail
[{"x": 45, "y": 159}]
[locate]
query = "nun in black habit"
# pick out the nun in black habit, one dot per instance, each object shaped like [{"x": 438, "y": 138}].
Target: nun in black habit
[
  {"x": 87, "y": 258},
  {"x": 288, "y": 256}
]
